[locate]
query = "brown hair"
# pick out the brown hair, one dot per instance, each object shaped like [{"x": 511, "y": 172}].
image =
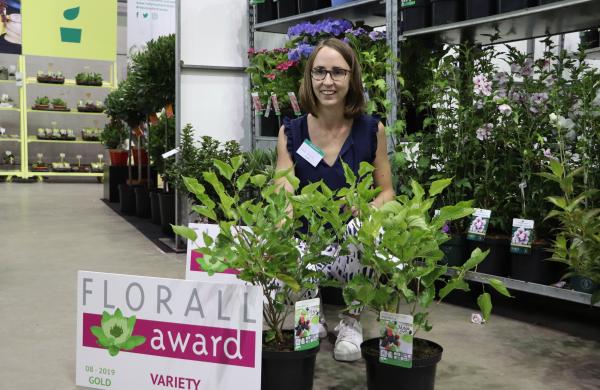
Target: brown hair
[{"x": 355, "y": 100}]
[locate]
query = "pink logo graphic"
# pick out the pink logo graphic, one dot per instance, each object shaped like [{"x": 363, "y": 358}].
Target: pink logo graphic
[{"x": 182, "y": 341}]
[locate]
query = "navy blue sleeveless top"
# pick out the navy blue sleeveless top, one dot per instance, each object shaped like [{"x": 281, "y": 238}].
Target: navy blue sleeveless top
[{"x": 360, "y": 146}]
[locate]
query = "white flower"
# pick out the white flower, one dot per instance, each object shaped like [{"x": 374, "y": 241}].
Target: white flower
[
  {"x": 484, "y": 132},
  {"x": 482, "y": 86},
  {"x": 505, "y": 109}
]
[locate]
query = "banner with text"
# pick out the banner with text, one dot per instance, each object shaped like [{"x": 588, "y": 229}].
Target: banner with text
[
  {"x": 85, "y": 29},
  {"x": 136, "y": 332},
  {"x": 148, "y": 19}
]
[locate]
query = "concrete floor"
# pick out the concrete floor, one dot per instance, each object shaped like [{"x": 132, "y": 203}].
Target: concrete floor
[{"x": 49, "y": 231}]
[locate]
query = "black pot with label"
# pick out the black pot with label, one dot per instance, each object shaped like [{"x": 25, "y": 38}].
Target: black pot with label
[
  {"x": 414, "y": 14},
  {"x": 287, "y": 8},
  {"x": 266, "y": 11},
  {"x": 446, "y": 11}
]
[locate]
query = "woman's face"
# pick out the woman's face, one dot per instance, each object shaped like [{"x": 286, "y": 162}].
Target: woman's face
[{"x": 331, "y": 90}]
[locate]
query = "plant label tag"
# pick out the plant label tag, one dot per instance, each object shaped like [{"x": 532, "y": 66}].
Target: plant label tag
[
  {"x": 396, "y": 341},
  {"x": 257, "y": 104},
  {"x": 306, "y": 324},
  {"x": 522, "y": 236},
  {"x": 268, "y": 109},
  {"x": 407, "y": 3},
  {"x": 310, "y": 152},
  {"x": 170, "y": 153},
  {"x": 275, "y": 104},
  {"x": 256, "y": 2},
  {"x": 295, "y": 104},
  {"x": 479, "y": 225}
]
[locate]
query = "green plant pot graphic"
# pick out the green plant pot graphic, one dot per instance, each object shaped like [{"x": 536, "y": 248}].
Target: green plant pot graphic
[{"x": 70, "y": 35}]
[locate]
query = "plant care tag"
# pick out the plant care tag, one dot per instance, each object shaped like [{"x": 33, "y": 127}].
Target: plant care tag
[
  {"x": 407, "y": 3},
  {"x": 257, "y": 104},
  {"x": 275, "y": 104},
  {"x": 396, "y": 341},
  {"x": 295, "y": 104},
  {"x": 479, "y": 225},
  {"x": 522, "y": 236},
  {"x": 170, "y": 153},
  {"x": 306, "y": 324},
  {"x": 268, "y": 109},
  {"x": 256, "y": 2},
  {"x": 310, "y": 152}
]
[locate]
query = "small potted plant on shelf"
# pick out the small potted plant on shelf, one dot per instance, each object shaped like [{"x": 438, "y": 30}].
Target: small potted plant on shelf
[
  {"x": 42, "y": 103},
  {"x": 39, "y": 165},
  {"x": 3, "y": 73},
  {"x": 9, "y": 158},
  {"x": 90, "y": 106},
  {"x": 401, "y": 244},
  {"x": 61, "y": 166},
  {"x": 266, "y": 256},
  {"x": 98, "y": 166},
  {"x": 112, "y": 137},
  {"x": 91, "y": 134},
  {"x": 2, "y": 132},
  {"x": 59, "y": 105},
  {"x": 6, "y": 101},
  {"x": 89, "y": 79},
  {"x": 50, "y": 77}
]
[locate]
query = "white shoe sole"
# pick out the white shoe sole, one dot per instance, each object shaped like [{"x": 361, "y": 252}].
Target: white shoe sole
[{"x": 346, "y": 357}]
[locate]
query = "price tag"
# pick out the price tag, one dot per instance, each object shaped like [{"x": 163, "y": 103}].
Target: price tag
[
  {"x": 306, "y": 324},
  {"x": 522, "y": 236},
  {"x": 479, "y": 225},
  {"x": 295, "y": 104},
  {"x": 396, "y": 339},
  {"x": 257, "y": 104},
  {"x": 275, "y": 104},
  {"x": 268, "y": 109}
]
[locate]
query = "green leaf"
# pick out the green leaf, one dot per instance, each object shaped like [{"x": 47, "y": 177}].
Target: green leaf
[
  {"x": 484, "y": 301},
  {"x": 499, "y": 286},
  {"x": 205, "y": 211},
  {"x": 435, "y": 274},
  {"x": 269, "y": 335},
  {"x": 454, "y": 284},
  {"x": 477, "y": 256},
  {"x": 133, "y": 342},
  {"x": 549, "y": 176},
  {"x": 289, "y": 281},
  {"x": 241, "y": 181},
  {"x": 193, "y": 185},
  {"x": 557, "y": 201},
  {"x": 113, "y": 350},
  {"x": 225, "y": 169},
  {"x": 237, "y": 161},
  {"x": 258, "y": 180},
  {"x": 380, "y": 83},
  {"x": 438, "y": 186},
  {"x": 417, "y": 190},
  {"x": 97, "y": 331},
  {"x": 426, "y": 296},
  {"x": 185, "y": 232},
  {"x": 557, "y": 168}
]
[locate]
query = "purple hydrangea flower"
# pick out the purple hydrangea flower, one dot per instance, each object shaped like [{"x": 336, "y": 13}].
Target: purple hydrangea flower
[
  {"x": 376, "y": 35},
  {"x": 501, "y": 78},
  {"x": 484, "y": 132},
  {"x": 357, "y": 32},
  {"x": 537, "y": 100},
  {"x": 482, "y": 86},
  {"x": 505, "y": 109}
]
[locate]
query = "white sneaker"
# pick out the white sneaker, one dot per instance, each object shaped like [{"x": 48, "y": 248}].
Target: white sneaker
[
  {"x": 349, "y": 338},
  {"x": 323, "y": 330}
]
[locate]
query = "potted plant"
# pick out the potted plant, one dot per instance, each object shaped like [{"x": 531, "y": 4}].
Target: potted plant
[
  {"x": 90, "y": 106},
  {"x": 50, "y": 77},
  {"x": 89, "y": 79},
  {"x": 39, "y": 165},
  {"x": 401, "y": 243},
  {"x": 266, "y": 256},
  {"x": 3, "y": 73},
  {"x": 42, "y": 103},
  {"x": 91, "y": 134},
  {"x": 59, "y": 105},
  {"x": 6, "y": 101},
  {"x": 112, "y": 137},
  {"x": 161, "y": 139}
]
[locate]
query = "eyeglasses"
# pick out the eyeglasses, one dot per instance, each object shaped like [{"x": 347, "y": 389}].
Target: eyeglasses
[{"x": 337, "y": 74}]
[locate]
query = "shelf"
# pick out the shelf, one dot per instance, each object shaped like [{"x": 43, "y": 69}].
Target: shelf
[
  {"x": 372, "y": 12},
  {"x": 12, "y": 82},
  {"x": 10, "y": 173},
  {"x": 68, "y": 83},
  {"x": 71, "y": 112},
  {"x": 555, "y": 18},
  {"x": 7, "y": 139},
  {"x": 534, "y": 288},
  {"x": 10, "y": 109},
  {"x": 33, "y": 138},
  {"x": 75, "y": 174}
]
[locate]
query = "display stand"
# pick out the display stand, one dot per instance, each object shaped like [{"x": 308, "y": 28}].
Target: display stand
[{"x": 13, "y": 142}]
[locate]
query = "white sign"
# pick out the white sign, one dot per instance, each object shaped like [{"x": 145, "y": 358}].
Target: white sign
[
  {"x": 148, "y": 19},
  {"x": 137, "y": 332}
]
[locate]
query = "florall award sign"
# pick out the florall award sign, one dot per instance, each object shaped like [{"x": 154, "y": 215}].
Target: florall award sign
[{"x": 136, "y": 332}]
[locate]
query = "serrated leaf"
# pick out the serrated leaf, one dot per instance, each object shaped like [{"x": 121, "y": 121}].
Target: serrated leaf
[
  {"x": 484, "y": 301},
  {"x": 499, "y": 286},
  {"x": 426, "y": 296},
  {"x": 185, "y": 232},
  {"x": 557, "y": 168}
]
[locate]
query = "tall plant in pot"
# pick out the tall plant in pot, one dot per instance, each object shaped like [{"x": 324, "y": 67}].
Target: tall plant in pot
[
  {"x": 112, "y": 136},
  {"x": 270, "y": 257},
  {"x": 400, "y": 243}
]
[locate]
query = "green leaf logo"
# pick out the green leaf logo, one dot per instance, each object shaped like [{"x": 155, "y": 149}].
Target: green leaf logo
[
  {"x": 71, "y": 13},
  {"x": 115, "y": 333}
]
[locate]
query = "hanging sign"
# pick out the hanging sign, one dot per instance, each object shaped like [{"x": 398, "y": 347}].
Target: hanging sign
[
  {"x": 396, "y": 342},
  {"x": 148, "y": 19},
  {"x": 522, "y": 236},
  {"x": 10, "y": 27},
  {"x": 137, "y": 332},
  {"x": 193, "y": 269}
]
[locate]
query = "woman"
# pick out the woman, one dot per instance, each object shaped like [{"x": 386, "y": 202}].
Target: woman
[{"x": 332, "y": 94}]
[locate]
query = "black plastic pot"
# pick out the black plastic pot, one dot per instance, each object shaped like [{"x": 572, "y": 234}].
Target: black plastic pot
[
  {"x": 480, "y": 8},
  {"x": 269, "y": 127},
  {"x": 590, "y": 38},
  {"x": 332, "y": 296},
  {"x": 583, "y": 284},
  {"x": 155, "y": 206},
  {"x": 498, "y": 261},
  {"x": 287, "y": 8},
  {"x": 142, "y": 202},
  {"x": 385, "y": 377},
  {"x": 167, "y": 212},
  {"x": 454, "y": 251},
  {"x": 535, "y": 268},
  {"x": 311, "y": 5},
  {"x": 266, "y": 11},
  {"x": 513, "y": 5},
  {"x": 414, "y": 14},
  {"x": 288, "y": 370},
  {"x": 126, "y": 199},
  {"x": 446, "y": 11}
]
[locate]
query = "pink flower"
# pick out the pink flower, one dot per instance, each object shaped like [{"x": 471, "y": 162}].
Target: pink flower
[
  {"x": 505, "y": 109},
  {"x": 270, "y": 76},
  {"x": 286, "y": 65},
  {"x": 482, "y": 86},
  {"x": 484, "y": 132},
  {"x": 251, "y": 52}
]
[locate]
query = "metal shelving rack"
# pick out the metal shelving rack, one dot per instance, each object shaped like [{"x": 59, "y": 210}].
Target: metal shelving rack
[
  {"x": 550, "y": 19},
  {"x": 20, "y": 168}
]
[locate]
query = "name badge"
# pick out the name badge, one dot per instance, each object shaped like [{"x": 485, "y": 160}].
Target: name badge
[{"x": 310, "y": 152}]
